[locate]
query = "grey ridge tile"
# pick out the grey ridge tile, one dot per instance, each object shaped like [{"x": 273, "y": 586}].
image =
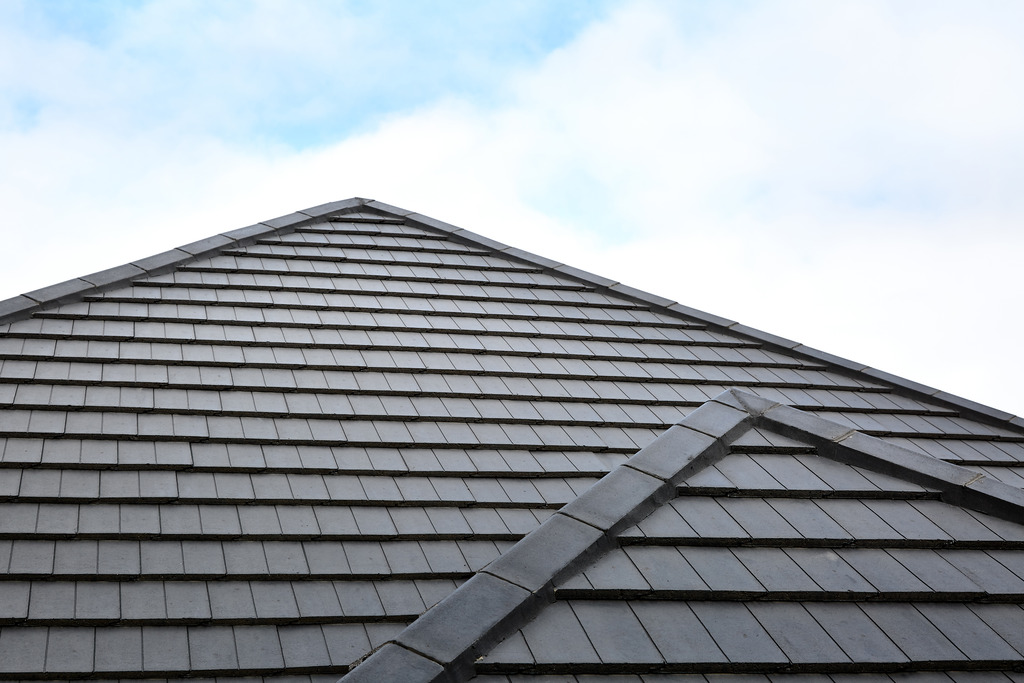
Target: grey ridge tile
[
  {"x": 556, "y": 548},
  {"x": 621, "y": 498}
]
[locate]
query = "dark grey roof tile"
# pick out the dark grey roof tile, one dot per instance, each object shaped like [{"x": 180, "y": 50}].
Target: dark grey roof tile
[
  {"x": 797, "y": 633},
  {"x": 14, "y": 600},
  {"x": 212, "y": 648},
  {"x": 707, "y": 518},
  {"x": 721, "y": 570},
  {"x": 232, "y": 598},
  {"x": 556, "y": 636},
  {"x": 758, "y": 518},
  {"x": 22, "y": 649},
  {"x": 615, "y": 632},
  {"x": 737, "y": 632},
  {"x": 967, "y": 632},
  {"x": 828, "y": 569},
  {"x": 809, "y": 519},
  {"x": 616, "y": 571},
  {"x": 185, "y": 600},
  {"x": 775, "y": 570},
  {"x": 52, "y": 601},
  {"x": 984, "y": 570},
  {"x": 165, "y": 648},
  {"x": 665, "y": 569},
  {"x": 304, "y": 646},
  {"x": 858, "y": 520},
  {"x": 912, "y": 632},
  {"x": 118, "y": 649},
  {"x": 859, "y": 637},
  {"x": 258, "y": 647},
  {"x": 315, "y": 599},
  {"x": 392, "y": 662},
  {"x": 883, "y": 571},
  {"x": 143, "y": 600}
]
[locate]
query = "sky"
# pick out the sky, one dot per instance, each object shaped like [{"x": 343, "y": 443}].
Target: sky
[{"x": 844, "y": 174}]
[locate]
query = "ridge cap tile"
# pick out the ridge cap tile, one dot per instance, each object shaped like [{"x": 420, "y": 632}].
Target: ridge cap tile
[
  {"x": 287, "y": 220},
  {"x": 702, "y": 316},
  {"x": 62, "y": 292},
  {"x": 321, "y": 210},
  {"x": 957, "y": 485},
  {"x": 634, "y": 293},
  {"x": 388, "y": 208}
]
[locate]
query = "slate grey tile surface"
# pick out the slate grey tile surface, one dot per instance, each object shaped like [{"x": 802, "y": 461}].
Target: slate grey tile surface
[{"x": 268, "y": 461}]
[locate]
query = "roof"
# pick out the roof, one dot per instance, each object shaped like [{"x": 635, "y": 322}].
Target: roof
[{"x": 356, "y": 440}]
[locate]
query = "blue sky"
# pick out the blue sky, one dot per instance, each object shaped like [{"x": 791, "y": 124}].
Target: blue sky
[{"x": 844, "y": 174}]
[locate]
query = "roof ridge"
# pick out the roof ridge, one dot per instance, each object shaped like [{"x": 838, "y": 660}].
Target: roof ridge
[
  {"x": 445, "y": 641},
  {"x": 22, "y": 305},
  {"x": 72, "y": 290}
]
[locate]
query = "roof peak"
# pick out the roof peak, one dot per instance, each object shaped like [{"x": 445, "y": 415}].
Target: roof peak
[{"x": 24, "y": 305}]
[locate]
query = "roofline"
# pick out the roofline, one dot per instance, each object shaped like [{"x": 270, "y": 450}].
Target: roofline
[
  {"x": 914, "y": 389},
  {"x": 442, "y": 645},
  {"x": 73, "y": 290}
]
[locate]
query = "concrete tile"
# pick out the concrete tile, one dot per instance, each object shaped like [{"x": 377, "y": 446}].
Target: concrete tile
[
  {"x": 882, "y": 571},
  {"x": 677, "y": 632},
  {"x": 555, "y": 636},
  {"x": 665, "y": 569},
  {"x": 165, "y": 648},
  {"x": 346, "y": 643},
  {"x": 315, "y": 599},
  {"x": 912, "y": 632},
  {"x": 854, "y": 632},
  {"x": 22, "y": 649},
  {"x": 258, "y": 647},
  {"x": 143, "y": 600},
  {"x": 211, "y": 648},
  {"x": 721, "y": 570},
  {"x": 52, "y": 601},
  {"x": 967, "y": 632},
  {"x": 615, "y": 632},
  {"x": 621, "y": 498},
  {"x": 829, "y": 570},
  {"x": 118, "y": 649},
  {"x": 556, "y": 548},
  {"x": 187, "y": 600},
  {"x": 304, "y": 646},
  {"x": 737, "y": 633},
  {"x": 615, "y": 571},
  {"x": 797, "y": 633}
]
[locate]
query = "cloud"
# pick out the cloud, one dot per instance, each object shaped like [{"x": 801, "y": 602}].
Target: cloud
[{"x": 843, "y": 174}]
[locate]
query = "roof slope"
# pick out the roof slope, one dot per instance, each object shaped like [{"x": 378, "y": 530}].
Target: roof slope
[{"x": 267, "y": 453}]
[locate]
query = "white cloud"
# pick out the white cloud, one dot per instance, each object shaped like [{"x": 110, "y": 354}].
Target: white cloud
[{"x": 844, "y": 174}]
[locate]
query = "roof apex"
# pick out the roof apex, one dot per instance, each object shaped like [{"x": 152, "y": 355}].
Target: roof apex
[{"x": 22, "y": 306}]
